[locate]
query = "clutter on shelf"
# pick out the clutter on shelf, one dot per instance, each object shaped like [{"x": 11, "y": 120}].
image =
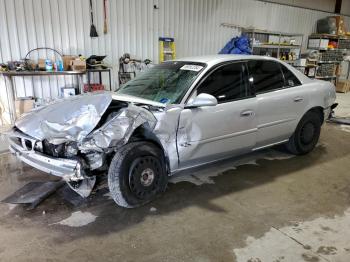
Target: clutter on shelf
[
  {"x": 333, "y": 25},
  {"x": 237, "y": 45},
  {"x": 331, "y": 43},
  {"x": 285, "y": 46}
]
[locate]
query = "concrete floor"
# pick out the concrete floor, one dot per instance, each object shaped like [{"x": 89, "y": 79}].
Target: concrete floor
[{"x": 266, "y": 206}]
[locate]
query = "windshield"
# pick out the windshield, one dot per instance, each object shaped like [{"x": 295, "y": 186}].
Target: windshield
[{"x": 165, "y": 83}]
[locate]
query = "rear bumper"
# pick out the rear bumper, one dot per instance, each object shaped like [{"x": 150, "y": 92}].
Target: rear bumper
[{"x": 66, "y": 168}]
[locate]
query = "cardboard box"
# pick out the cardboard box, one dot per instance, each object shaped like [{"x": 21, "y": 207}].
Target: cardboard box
[
  {"x": 24, "y": 105},
  {"x": 343, "y": 86},
  {"x": 340, "y": 25},
  {"x": 41, "y": 64},
  {"x": 338, "y": 70},
  {"x": 67, "y": 61},
  {"x": 78, "y": 65}
]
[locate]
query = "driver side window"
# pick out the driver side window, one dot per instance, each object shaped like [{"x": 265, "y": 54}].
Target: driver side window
[{"x": 227, "y": 83}]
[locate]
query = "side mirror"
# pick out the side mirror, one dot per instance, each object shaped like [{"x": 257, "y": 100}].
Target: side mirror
[{"x": 203, "y": 100}]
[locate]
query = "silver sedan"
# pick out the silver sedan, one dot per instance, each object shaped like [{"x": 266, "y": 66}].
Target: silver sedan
[{"x": 175, "y": 116}]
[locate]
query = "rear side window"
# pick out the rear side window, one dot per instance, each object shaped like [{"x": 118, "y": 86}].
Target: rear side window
[
  {"x": 290, "y": 78},
  {"x": 227, "y": 83},
  {"x": 267, "y": 75}
]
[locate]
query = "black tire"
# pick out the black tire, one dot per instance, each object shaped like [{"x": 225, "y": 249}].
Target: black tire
[
  {"x": 137, "y": 174},
  {"x": 306, "y": 135}
]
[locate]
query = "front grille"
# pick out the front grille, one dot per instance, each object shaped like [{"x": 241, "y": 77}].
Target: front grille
[
  {"x": 28, "y": 144},
  {"x": 25, "y": 141}
]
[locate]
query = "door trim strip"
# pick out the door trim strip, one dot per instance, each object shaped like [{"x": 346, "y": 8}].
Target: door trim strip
[
  {"x": 249, "y": 131},
  {"x": 275, "y": 123}
]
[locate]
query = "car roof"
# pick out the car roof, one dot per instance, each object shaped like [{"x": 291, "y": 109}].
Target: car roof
[
  {"x": 215, "y": 59},
  {"x": 212, "y": 60}
]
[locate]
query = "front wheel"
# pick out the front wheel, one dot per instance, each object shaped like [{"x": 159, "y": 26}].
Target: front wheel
[
  {"x": 306, "y": 134},
  {"x": 137, "y": 174}
]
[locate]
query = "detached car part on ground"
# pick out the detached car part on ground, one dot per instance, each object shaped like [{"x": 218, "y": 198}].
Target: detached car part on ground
[{"x": 175, "y": 116}]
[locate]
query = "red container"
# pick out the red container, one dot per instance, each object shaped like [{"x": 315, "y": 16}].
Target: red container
[{"x": 93, "y": 87}]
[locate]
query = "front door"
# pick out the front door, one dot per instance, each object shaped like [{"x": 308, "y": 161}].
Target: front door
[{"x": 210, "y": 133}]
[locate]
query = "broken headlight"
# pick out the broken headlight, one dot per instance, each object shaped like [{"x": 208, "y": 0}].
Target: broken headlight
[
  {"x": 95, "y": 160},
  {"x": 71, "y": 149}
]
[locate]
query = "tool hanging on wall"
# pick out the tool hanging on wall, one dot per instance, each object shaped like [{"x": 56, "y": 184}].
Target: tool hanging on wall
[
  {"x": 129, "y": 67},
  {"x": 105, "y": 16},
  {"x": 93, "y": 31}
]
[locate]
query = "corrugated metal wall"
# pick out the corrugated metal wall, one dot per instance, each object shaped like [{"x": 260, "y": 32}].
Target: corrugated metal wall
[
  {"x": 134, "y": 27},
  {"x": 322, "y": 5}
]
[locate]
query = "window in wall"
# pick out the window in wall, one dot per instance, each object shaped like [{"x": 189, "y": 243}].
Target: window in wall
[
  {"x": 267, "y": 75},
  {"x": 227, "y": 83}
]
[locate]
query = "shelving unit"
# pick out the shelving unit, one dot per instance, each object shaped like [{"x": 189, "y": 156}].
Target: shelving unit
[
  {"x": 323, "y": 37},
  {"x": 328, "y": 56},
  {"x": 274, "y": 43}
]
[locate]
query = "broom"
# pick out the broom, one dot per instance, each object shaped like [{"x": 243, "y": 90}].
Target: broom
[
  {"x": 105, "y": 16},
  {"x": 93, "y": 31}
]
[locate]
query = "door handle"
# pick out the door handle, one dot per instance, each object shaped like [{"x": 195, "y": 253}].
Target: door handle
[
  {"x": 298, "y": 99},
  {"x": 247, "y": 113}
]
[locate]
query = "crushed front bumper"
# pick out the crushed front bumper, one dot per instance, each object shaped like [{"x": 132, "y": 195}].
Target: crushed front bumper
[{"x": 24, "y": 146}]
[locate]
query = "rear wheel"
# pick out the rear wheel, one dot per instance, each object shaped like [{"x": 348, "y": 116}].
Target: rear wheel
[
  {"x": 306, "y": 134},
  {"x": 137, "y": 174}
]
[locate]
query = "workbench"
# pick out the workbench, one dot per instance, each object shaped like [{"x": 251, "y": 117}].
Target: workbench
[
  {"x": 9, "y": 75},
  {"x": 99, "y": 71}
]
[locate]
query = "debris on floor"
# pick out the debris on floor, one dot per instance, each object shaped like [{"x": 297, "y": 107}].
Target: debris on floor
[
  {"x": 71, "y": 197},
  {"x": 340, "y": 120},
  {"x": 33, "y": 193},
  {"x": 83, "y": 187}
]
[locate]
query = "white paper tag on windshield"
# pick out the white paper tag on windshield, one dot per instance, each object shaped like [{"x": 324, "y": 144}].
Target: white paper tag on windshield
[{"x": 192, "y": 67}]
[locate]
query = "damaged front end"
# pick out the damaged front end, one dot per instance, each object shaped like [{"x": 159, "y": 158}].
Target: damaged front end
[{"x": 75, "y": 138}]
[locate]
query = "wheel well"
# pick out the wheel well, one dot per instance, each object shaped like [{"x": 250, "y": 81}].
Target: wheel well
[
  {"x": 319, "y": 111},
  {"x": 143, "y": 133}
]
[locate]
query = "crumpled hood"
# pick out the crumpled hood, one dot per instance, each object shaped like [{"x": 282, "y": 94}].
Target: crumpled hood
[{"x": 70, "y": 119}]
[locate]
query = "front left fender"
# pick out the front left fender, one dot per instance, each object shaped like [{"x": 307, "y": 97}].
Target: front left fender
[{"x": 117, "y": 131}]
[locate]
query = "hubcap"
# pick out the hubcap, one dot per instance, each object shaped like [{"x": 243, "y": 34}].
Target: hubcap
[{"x": 147, "y": 177}]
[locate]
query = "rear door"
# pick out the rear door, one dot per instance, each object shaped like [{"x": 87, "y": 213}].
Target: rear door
[
  {"x": 279, "y": 101},
  {"x": 209, "y": 133}
]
